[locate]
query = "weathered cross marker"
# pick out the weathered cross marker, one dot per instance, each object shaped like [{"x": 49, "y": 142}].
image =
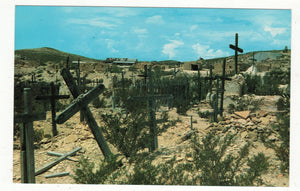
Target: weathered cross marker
[
  {"x": 27, "y": 134},
  {"x": 53, "y": 97},
  {"x": 151, "y": 108},
  {"x": 80, "y": 103},
  {"x": 236, "y": 50},
  {"x": 222, "y": 78}
]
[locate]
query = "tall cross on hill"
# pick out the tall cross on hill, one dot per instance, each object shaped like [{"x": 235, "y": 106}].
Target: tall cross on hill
[{"x": 236, "y": 50}]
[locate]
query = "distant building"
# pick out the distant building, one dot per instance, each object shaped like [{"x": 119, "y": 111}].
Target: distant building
[
  {"x": 192, "y": 65},
  {"x": 122, "y": 61}
]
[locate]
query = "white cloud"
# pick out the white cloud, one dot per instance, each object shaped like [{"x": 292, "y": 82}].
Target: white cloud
[
  {"x": 110, "y": 43},
  {"x": 274, "y": 31},
  {"x": 193, "y": 27},
  {"x": 97, "y": 22},
  {"x": 206, "y": 52},
  {"x": 156, "y": 19},
  {"x": 169, "y": 49},
  {"x": 139, "y": 31}
]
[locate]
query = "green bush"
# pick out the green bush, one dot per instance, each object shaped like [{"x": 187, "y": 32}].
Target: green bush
[
  {"x": 99, "y": 102},
  {"x": 86, "y": 173},
  {"x": 219, "y": 168},
  {"x": 128, "y": 135},
  {"x": 211, "y": 165},
  {"x": 38, "y": 135},
  {"x": 282, "y": 149},
  {"x": 268, "y": 85}
]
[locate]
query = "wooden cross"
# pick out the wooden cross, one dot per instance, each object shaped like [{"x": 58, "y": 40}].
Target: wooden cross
[
  {"x": 53, "y": 97},
  {"x": 80, "y": 104},
  {"x": 151, "y": 108},
  {"x": 27, "y": 134},
  {"x": 236, "y": 50},
  {"x": 223, "y": 78}
]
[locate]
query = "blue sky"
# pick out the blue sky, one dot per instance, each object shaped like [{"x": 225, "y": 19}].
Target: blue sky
[{"x": 149, "y": 34}]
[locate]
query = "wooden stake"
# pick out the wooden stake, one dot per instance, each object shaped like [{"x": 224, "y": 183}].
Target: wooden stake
[
  {"x": 28, "y": 136},
  {"x": 57, "y": 175},
  {"x": 222, "y": 87}
]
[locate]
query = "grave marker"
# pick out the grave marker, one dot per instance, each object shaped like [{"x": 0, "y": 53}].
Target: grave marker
[
  {"x": 236, "y": 50},
  {"x": 81, "y": 103},
  {"x": 151, "y": 107},
  {"x": 27, "y": 134},
  {"x": 52, "y": 98}
]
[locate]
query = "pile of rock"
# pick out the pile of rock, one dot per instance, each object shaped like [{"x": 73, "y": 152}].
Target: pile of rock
[{"x": 249, "y": 126}]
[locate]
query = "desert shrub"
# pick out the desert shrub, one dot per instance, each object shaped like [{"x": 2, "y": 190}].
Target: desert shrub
[
  {"x": 115, "y": 69},
  {"x": 128, "y": 135},
  {"x": 268, "y": 84},
  {"x": 211, "y": 165},
  {"x": 38, "y": 135},
  {"x": 281, "y": 149},
  {"x": 86, "y": 173},
  {"x": 204, "y": 114},
  {"x": 99, "y": 102},
  {"x": 144, "y": 173},
  {"x": 219, "y": 168}
]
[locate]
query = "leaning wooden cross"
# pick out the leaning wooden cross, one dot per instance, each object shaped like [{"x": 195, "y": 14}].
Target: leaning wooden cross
[
  {"x": 27, "y": 134},
  {"x": 80, "y": 104},
  {"x": 53, "y": 97},
  {"x": 236, "y": 50}
]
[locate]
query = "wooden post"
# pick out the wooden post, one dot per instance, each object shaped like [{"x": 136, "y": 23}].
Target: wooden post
[
  {"x": 79, "y": 85},
  {"x": 216, "y": 111},
  {"x": 53, "y": 97},
  {"x": 27, "y": 134},
  {"x": 81, "y": 104},
  {"x": 113, "y": 101},
  {"x": 236, "y": 50},
  {"x": 33, "y": 78},
  {"x": 192, "y": 123},
  {"x": 199, "y": 85},
  {"x": 59, "y": 155},
  {"x": 222, "y": 88},
  {"x": 152, "y": 117},
  {"x": 210, "y": 79},
  {"x": 57, "y": 175}
]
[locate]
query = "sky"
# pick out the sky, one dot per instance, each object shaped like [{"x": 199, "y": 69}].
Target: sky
[{"x": 150, "y": 34}]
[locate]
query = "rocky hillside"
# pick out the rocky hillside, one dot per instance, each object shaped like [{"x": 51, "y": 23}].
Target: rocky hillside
[
  {"x": 46, "y": 54},
  {"x": 248, "y": 119}
]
